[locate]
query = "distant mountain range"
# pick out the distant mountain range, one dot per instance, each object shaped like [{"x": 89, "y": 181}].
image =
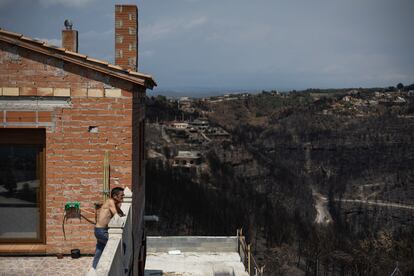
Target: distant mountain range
[
  {"x": 202, "y": 92},
  {"x": 198, "y": 92}
]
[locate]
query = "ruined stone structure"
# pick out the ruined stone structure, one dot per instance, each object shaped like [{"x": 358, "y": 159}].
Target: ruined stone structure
[{"x": 187, "y": 159}]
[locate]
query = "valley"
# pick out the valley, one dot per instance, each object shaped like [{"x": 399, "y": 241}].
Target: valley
[{"x": 316, "y": 179}]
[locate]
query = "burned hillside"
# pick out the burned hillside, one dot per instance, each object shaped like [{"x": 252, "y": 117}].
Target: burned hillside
[{"x": 354, "y": 148}]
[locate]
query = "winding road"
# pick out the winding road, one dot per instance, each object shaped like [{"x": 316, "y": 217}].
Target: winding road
[
  {"x": 324, "y": 217},
  {"x": 378, "y": 203}
]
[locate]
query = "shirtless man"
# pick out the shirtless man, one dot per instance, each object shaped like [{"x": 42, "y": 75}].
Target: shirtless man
[{"x": 108, "y": 210}]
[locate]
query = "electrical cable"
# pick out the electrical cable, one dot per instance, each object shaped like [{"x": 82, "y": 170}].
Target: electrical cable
[
  {"x": 65, "y": 218},
  {"x": 63, "y": 225},
  {"x": 88, "y": 220}
]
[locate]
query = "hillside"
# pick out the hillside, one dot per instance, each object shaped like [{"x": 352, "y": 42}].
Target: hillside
[{"x": 352, "y": 148}]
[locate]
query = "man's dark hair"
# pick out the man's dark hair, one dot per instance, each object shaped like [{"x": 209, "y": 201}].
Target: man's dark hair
[{"x": 115, "y": 191}]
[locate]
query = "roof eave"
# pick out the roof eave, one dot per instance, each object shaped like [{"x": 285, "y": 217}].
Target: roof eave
[{"x": 97, "y": 65}]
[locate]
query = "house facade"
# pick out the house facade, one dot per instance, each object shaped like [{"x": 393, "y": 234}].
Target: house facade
[{"x": 62, "y": 116}]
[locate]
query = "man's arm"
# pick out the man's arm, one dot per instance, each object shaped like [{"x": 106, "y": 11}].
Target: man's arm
[
  {"x": 112, "y": 207},
  {"x": 118, "y": 208}
]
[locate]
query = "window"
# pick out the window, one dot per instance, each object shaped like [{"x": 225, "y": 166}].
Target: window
[{"x": 22, "y": 185}]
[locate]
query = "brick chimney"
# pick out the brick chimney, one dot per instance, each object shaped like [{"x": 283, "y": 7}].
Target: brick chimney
[
  {"x": 126, "y": 36},
  {"x": 69, "y": 37}
]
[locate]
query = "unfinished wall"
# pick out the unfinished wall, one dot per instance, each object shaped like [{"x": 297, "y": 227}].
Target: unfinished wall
[{"x": 138, "y": 170}]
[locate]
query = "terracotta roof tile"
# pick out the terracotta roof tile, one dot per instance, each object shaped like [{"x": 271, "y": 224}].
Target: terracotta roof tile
[
  {"x": 10, "y": 33},
  {"x": 75, "y": 54},
  {"x": 97, "y": 60},
  {"x": 115, "y": 66}
]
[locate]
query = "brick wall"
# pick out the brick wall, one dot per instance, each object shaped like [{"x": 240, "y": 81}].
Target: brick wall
[
  {"x": 74, "y": 160},
  {"x": 70, "y": 40},
  {"x": 32, "y": 74},
  {"x": 74, "y": 154}
]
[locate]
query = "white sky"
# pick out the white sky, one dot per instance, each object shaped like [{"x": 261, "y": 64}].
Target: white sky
[{"x": 201, "y": 45}]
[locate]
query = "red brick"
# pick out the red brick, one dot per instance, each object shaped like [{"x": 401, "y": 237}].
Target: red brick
[
  {"x": 44, "y": 116},
  {"x": 20, "y": 116}
]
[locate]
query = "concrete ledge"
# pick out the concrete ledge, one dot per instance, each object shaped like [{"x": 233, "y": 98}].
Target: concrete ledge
[
  {"x": 10, "y": 91},
  {"x": 192, "y": 244},
  {"x": 107, "y": 260}
]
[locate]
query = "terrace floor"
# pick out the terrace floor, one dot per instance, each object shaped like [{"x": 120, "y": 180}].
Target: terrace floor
[
  {"x": 47, "y": 266},
  {"x": 194, "y": 263},
  {"x": 188, "y": 263},
  {"x": 180, "y": 255}
]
